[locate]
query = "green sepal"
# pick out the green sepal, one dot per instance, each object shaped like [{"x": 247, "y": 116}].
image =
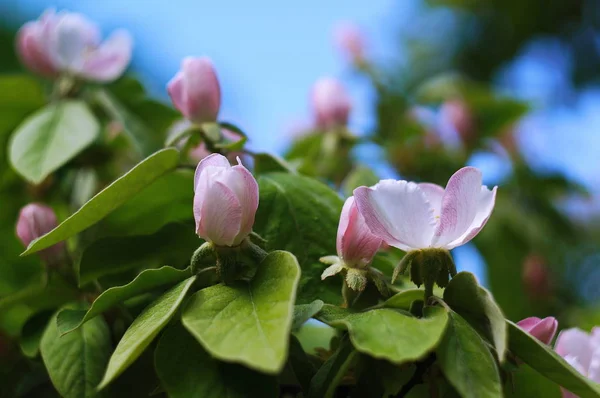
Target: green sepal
[{"x": 204, "y": 256}]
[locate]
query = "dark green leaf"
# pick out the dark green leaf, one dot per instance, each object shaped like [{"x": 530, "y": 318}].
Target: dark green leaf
[
  {"x": 110, "y": 198},
  {"x": 69, "y": 320},
  {"x": 526, "y": 382},
  {"x": 250, "y": 322},
  {"x": 467, "y": 362},
  {"x": 268, "y": 163},
  {"x": 377, "y": 332},
  {"x": 303, "y": 368},
  {"x": 304, "y": 312},
  {"x": 404, "y": 299},
  {"x": 233, "y": 128},
  {"x": 143, "y": 330},
  {"x": 19, "y": 96},
  {"x": 51, "y": 137},
  {"x": 547, "y": 362},
  {"x": 475, "y": 304},
  {"x": 187, "y": 371},
  {"x": 45, "y": 294},
  {"x": 329, "y": 376},
  {"x": 32, "y": 332},
  {"x": 75, "y": 362},
  {"x": 173, "y": 245},
  {"x": 300, "y": 215}
]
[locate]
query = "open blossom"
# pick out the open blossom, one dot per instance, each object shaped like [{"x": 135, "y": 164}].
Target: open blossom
[
  {"x": 542, "y": 329},
  {"x": 36, "y": 220},
  {"x": 349, "y": 39},
  {"x": 413, "y": 216},
  {"x": 225, "y": 201},
  {"x": 195, "y": 90},
  {"x": 331, "y": 104},
  {"x": 582, "y": 351},
  {"x": 69, "y": 43}
]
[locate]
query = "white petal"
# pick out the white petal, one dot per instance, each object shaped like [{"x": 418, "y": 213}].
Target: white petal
[
  {"x": 397, "y": 212},
  {"x": 434, "y": 194},
  {"x": 110, "y": 59},
  {"x": 70, "y": 39},
  {"x": 332, "y": 270}
]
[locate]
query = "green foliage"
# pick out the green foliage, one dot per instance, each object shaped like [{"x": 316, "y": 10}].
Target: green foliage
[
  {"x": 110, "y": 198},
  {"x": 300, "y": 215},
  {"x": 144, "y": 329},
  {"x": 248, "y": 322},
  {"x": 75, "y": 362},
  {"x": 333, "y": 370},
  {"x": 304, "y": 312},
  {"x": 51, "y": 137}
]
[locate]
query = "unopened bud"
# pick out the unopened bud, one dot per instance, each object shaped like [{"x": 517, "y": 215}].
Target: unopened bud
[{"x": 36, "y": 220}]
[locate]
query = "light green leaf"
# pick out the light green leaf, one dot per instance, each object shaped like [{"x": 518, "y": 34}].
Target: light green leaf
[
  {"x": 377, "y": 332},
  {"x": 250, "y": 322},
  {"x": 526, "y": 382},
  {"x": 547, "y": 362},
  {"x": 69, "y": 320},
  {"x": 315, "y": 336},
  {"x": 329, "y": 375},
  {"x": 304, "y": 312},
  {"x": 174, "y": 244},
  {"x": 143, "y": 330},
  {"x": 404, "y": 299},
  {"x": 467, "y": 362},
  {"x": 110, "y": 198},
  {"x": 187, "y": 371},
  {"x": 475, "y": 304},
  {"x": 300, "y": 215},
  {"x": 51, "y": 137},
  {"x": 75, "y": 362}
]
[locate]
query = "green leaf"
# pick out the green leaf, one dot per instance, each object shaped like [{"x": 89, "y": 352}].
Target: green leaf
[
  {"x": 174, "y": 245},
  {"x": 143, "y": 330},
  {"x": 303, "y": 368},
  {"x": 51, "y": 137},
  {"x": 315, "y": 336},
  {"x": 404, "y": 299},
  {"x": 187, "y": 371},
  {"x": 19, "y": 96},
  {"x": 304, "y": 312},
  {"x": 75, "y": 362},
  {"x": 233, "y": 128},
  {"x": 329, "y": 375},
  {"x": 300, "y": 215},
  {"x": 168, "y": 199},
  {"x": 69, "y": 320},
  {"x": 547, "y": 362},
  {"x": 467, "y": 362},
  {"x": 377, "y": 332},
  {"x": 250, "y": 322},
  {"x": 45, "y": 294},
  {"x": 268, "y": 163},
  {"x": 476, "y": 305},
  {"x": 32, "y": 332},
  {"x": 526, "y": 382},
  {"x": 359, "y": 176},
  {"x": 110, "y": 198},
  {"x": 144, "y": 139}
]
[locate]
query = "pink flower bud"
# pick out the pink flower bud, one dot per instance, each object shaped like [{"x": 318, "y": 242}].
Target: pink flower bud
[
  {"x": 349, "y": 39},
  {"x": 542, "y": 329},
  {"x": 330, "y": 103},
  {"x": 536, "y": 277},
  {"x": 457, "y": 114},
  {"x": 225, "y": 201},
  {"x": 36, "y": 220},
  {"x": 69, "y": 43},
  {"x": 356, "y": 245},
  {"x": 195, "y": 90}
]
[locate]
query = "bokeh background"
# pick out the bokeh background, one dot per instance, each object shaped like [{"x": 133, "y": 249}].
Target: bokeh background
[{"x": 539, "y": 254}]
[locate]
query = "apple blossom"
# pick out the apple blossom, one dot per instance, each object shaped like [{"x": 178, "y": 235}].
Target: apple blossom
[
  {"x": 542, "y": 329},
  {"x": 225, "y": 201},
  {"x": 582, "y": 351},
  {"x": 195, "y": 90},
  {"x": 349, "y": 39},
  {"x": 69, "y": 43},
  {"x": 36, "y": 220},
  {"x": 331, "y": 104}
]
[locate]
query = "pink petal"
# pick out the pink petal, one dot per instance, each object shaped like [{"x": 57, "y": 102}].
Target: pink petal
[
  {"x": 175, "y": 90},
  {"x": 356, "y": 245},
  {"x": 528, "y": 323},
  {"x": 487, "y": 201},
  {"x": 331, "y": 103},
  {"x": 459, "y": 205},
  {"x": 246, "y": 189},
  {"x": 70, "y": 40},
  {"x": 542, "y": 329},
  {"x": 214, "y": 160},
  {"x": 31, "y": 50},
  {"x": 575, "y": 343},
  {"x": 217, "y": 211},
  {"x": 109, "y": 61},
  {"x": 202, "y": 89},
  {"x": 397, "y": 212},
  {"x": 434, "y": 194}
]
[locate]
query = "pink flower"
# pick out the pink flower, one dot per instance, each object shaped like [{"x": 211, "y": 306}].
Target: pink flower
[
  {"x": 582, "y": 351},
  {"x": 413, "y": 216},
  {"x": 542, "y": 329},
  {"x": 69, "y": 43},
  {"x": 36, "y": 220},
  {"x": 195, "y": 90},
  {"x": 349, "y": 39},
  {"x": 458, "y": 116},
  {"x": 225, "y": 201},
  {"x": 331, "y": 104}
]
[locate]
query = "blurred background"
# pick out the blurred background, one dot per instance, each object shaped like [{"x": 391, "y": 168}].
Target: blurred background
[{"x": 509, "y": 86}]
